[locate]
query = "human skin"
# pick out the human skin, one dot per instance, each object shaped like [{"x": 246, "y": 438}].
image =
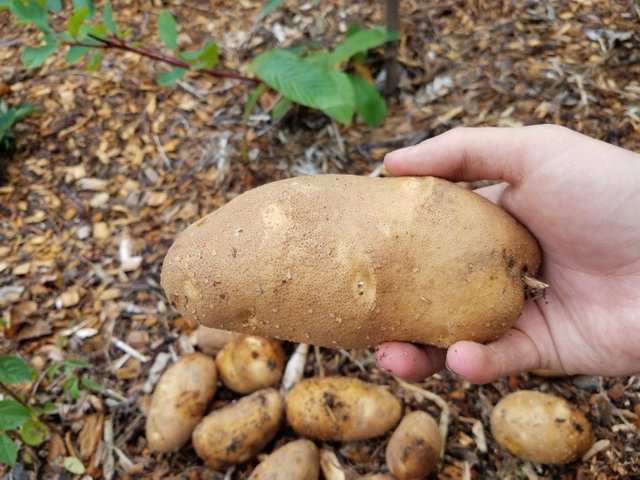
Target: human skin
[{"x": 580, "y": 198}]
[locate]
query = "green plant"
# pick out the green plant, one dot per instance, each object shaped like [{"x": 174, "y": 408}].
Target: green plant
[
  {"x": 314, "y": 78},
  {"x": 9, "y": 117},
  {"x": 18, "y": 416}
]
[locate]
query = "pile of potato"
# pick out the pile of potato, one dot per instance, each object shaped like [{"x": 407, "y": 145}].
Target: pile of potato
[{"x": 531, "y": 425}]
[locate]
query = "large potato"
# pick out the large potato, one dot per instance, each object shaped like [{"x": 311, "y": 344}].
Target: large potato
[
  {"x": 239, "y": 431},
  {"x": 540, "y": 427},
  {"x": 341, "y": 409},
  {"x": 179, "y": 401},
  {"x": 413, "y": 450},
  {"x": 250, "y": 363},
  {"x": 348, "y": 261},
  {"x": 297, "y": 460}
]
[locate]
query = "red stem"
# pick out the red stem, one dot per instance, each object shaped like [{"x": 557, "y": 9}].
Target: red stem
[{"x": 118, "y": 44}]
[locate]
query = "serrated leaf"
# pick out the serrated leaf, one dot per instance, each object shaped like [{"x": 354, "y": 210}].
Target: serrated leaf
[
  {"x": 369, "y": 103},
  {"x": 33, "y": 432},
  {"x": 172, "y": 76},
  {"x": 94, "y": 61},
  {"x": 280, "y": 109},
  {"x": 167, "y": 29},
  {"x": 75, "y": 20},
  {"x": 54, "y": 5},
  {"x": 88, "y": 4},
  {"x": 270, "y": 6},
  {"x": 13, "y": 369},
  {"x": 12, "y": 414},
  {"x": 107, "y": 18},
  {"x": 73, "y": 465},
  {"x": 358, "y": 42},
  {"x": 343, "y": 112},
  {"x": 297, "y": 80},
  {"x": 254, "y": 95},
  {"x": 77, "y": 362},
  {"x": 207, "y": 56},
  {"x": 29, "y": 11},
  {"x": 75, "y": 53},
  {"x": 8, "y": 450},
  {"x": 33, "y": 57}
]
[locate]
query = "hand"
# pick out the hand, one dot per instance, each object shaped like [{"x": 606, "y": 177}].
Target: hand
[{"x": 581, "y": 199}]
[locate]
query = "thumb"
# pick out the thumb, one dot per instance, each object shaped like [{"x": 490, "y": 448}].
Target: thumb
[
  {"x": 469, "y": 154},
  {"x": 519, "y": 350}
]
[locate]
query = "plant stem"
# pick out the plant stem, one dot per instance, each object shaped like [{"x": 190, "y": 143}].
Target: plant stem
[{"x": 117, "y": 44}]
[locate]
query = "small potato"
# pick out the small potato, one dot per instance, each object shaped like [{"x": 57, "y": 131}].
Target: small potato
[
  {"x": 413, "y": 450},
  {"x": 350, "y": 261},
  {"x": 211, "y": 340},
  {"x": 250, "y": 363},
  {"x": 341, "y": 409},
  {"x": 540, "y": 427},
  {"x": 179, "y": 401},
  {"x": 297, "y": 460},
  {"x": 237, "y": 432}
]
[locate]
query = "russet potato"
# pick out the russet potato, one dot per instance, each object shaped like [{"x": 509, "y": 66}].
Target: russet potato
[
  {"x": 179, "y": 401},
  {"x": 297, "y": 460},
  {"x": 341, "y": 409},
  {"x": 541, "y": 427},
  {"x": 349, "y": 261}
]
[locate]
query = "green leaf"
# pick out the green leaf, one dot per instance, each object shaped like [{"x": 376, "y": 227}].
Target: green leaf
[
  {"x": 88, "y": 4},
  {"x": 33, "y": 432},
  {"x": 369, "y": 103},
  {"x": 90, "y": 384},
  {"x": 172, "y": 76},
  {"x": 75, "y": 20},
  {"x": 280, "y": 109},
  {"x": 254, "y": 95},
  {"x": 297, "y": 80},
  {"x": 46, "y": 408},
  {"x": 53, "y": 369},
  {"x": 54, "y": 5},
  {"x": 107, "y": 17},
  {"x": 12, "y": 368},
  {"x": 23, "y": 110},
  {"x": 77, "y": 362},
  {"x": 319, "y": 59},
  {"x": 270, "y": 6},
  {"x": 94, "y": 61},
  {"x": 33, "y": 57},
  {"x": 12, "y": 414},
  {"x": 75, "y": 53},
  {"x": 8, "y": 450},
  {"x": 167, "y": 29},
  {"x": 71, "y": 386},
  {"x": 73, "y": 465},
  {"x": 29, "y": 11},
  {"x": 359, "y": 42},
  {"x": 342, "y": 112},
  {"x": 207, "y": 56}
]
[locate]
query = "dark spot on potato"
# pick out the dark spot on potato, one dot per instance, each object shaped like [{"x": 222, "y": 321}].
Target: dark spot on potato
[
  {"x": 234, "y": 252},
  {"x": 578, "y": 427},
  {"x": 561, "y": 420},
  {"x": 329, "y": 399},
  {"x": 271, "y": 365},
  {"x": 254, "y": 354},
  {"x": 234, "y": 445},
  {"x": 223, "y": 296},
  {"x": 261, "y": 399}
]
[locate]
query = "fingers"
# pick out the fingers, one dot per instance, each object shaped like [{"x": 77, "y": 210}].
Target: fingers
[
  {"x": 410, "y": 362},
  {"x": 514, "y": 353},
  {"x": 470, "y": 154}
]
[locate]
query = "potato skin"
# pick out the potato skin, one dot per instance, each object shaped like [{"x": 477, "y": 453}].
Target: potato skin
[
  {"x": 179, "y": 401},
  {"x": 540, "y": 427},
  {"x": 297, "y": 460},
  {"x": 349, "y": 261},
  {"x": 237, "y": 432},
  {"x": 413, "y": 450},
  {"x": 341, "y": 409},
  {"x": 250, "y": 363},
  {"x": 211, "y": 340}
]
